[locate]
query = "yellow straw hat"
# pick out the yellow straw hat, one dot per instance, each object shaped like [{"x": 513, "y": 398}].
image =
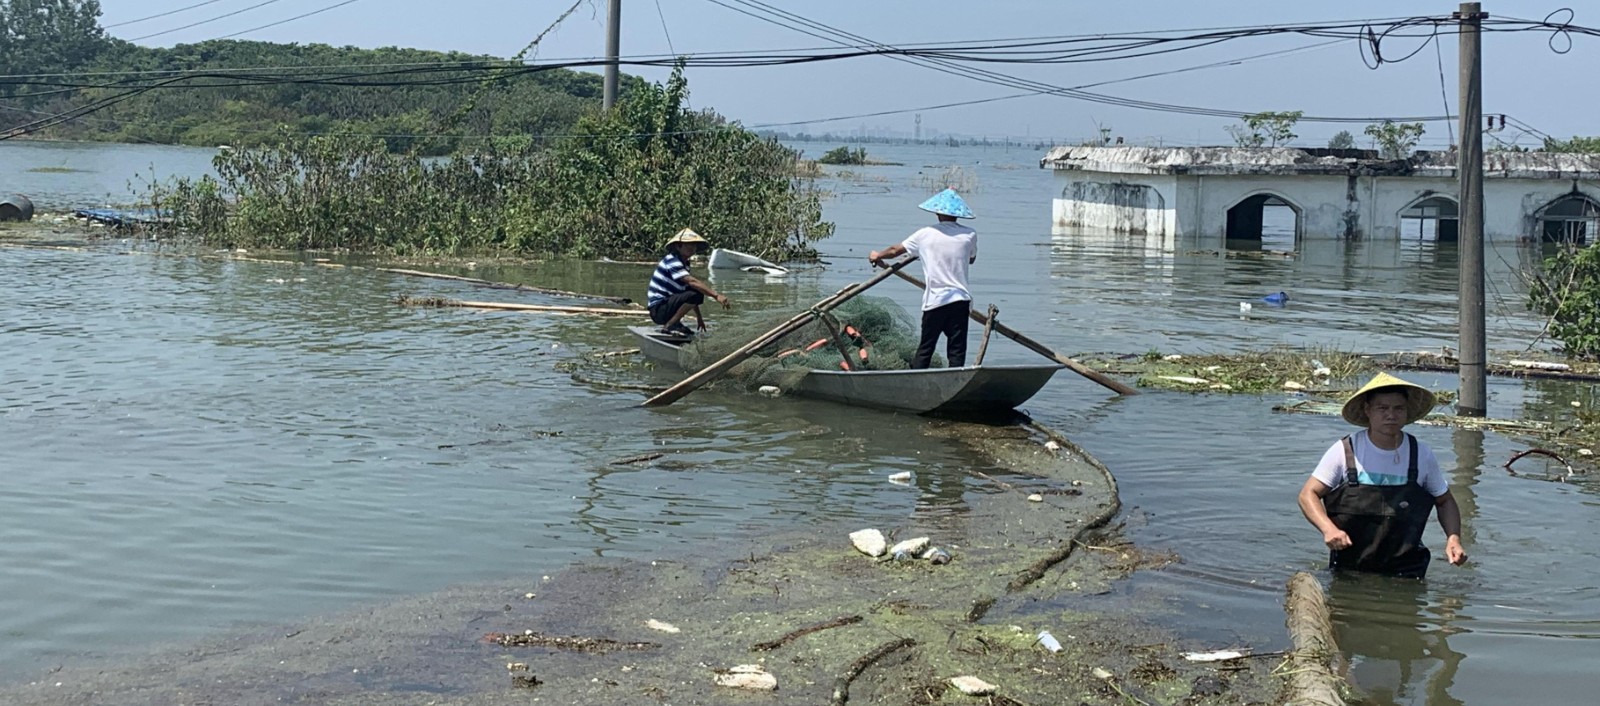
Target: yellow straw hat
[
  {"x": 687, "y": 236},
  {"x": 1419, "y": 400}
]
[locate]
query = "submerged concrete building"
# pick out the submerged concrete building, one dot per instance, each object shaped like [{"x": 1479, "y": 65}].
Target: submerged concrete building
[{"x": 1222, "y": 192}]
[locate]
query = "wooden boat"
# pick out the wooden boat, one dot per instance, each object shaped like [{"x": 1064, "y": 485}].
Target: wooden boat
[
  {"x": 972, "y": 390},
  {"x": 722, "y": 259}
]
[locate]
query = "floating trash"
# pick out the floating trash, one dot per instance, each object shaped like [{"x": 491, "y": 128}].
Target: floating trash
[
  {"x": 1036, "y": 498},
  {"x": 1277, "y": 299},
  {"x": 972, "y": 686},
  {"x": 1245, "y": 307},
  {"x": 901, "y": 477},
  {"x": 913, "y": 547},
  {"x": 747, "y": 676},
  {"x": 937, "y": 556},
  {"x": 1049, "y": 641},
  {"x": 654, "y": 624},
  {"x": 769, "y": 390},
  {"x": 869, "y": 542},
  {"x": 1214, "y": 656}
]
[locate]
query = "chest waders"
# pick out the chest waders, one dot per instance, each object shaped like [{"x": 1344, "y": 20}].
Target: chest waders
[{"x": 1385, "y": 522}]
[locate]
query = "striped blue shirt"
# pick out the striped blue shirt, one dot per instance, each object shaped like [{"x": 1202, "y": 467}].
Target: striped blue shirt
[{"x": 668, "y": 279}]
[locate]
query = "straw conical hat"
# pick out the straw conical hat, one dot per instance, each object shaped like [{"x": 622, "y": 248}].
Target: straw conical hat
[
  {"x": 1419, "y": 400},
  {"x": 687, "y": 236}
]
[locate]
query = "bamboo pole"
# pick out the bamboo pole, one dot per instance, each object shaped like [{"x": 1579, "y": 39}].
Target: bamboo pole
[
  {"x": 1039, "y": 348},
  {"x": 503, "y": 306},
  {"x": 838, "y": 343},
  {"x": 988, "y": 328},
  {"x": 721, "y": 367},
  {"x": 502, "y": 285}
]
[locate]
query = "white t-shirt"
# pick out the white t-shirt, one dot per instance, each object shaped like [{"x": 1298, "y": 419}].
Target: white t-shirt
[
  {"x": 1375, "y": 466},
  {"x": 946, "y": 248}
]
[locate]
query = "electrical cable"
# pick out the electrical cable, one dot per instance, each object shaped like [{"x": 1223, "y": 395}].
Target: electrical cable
[
  {"x": 287, "y": 21},
  {"x": 125, "y": 23},
  {"x": 204, "y": 22},
  {"x": 664, "y": 30}
]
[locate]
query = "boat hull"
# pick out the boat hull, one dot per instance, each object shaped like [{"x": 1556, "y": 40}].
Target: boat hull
[{"x": 972, "y": 390}]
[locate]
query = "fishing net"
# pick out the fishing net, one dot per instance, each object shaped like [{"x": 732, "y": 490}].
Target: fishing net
[{"x": 874, "y": 332}]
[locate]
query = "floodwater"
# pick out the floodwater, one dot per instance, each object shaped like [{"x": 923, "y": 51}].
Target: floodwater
[{"x": 193, "y": 445}]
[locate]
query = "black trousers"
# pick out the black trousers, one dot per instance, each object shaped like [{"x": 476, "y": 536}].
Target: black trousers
[
  {"x": 950, "y": 320},
  {"x": 664, "y": 309}
]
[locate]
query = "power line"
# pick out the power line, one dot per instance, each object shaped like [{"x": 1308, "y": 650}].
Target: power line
[
  {"x": 204, "y": 22},
  {"x": 164, "y": 14},
  {"x": 291, "y": 19},
  {"x": 664, "y": 29}
]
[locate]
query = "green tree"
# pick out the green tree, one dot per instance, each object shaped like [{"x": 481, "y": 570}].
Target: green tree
[
  {"x": 42, "y": 36},
  {"x": 1581, "y": 145},
  {"x": 1395, "y": 140},
  {"x": 1268, "y": 129},
  {"x": 1343, "y": 140},
  {"x": 1567, "y": 290}
]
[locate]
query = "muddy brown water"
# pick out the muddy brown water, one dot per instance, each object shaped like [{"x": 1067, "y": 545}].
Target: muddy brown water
[{"x": 198, "y": 446}]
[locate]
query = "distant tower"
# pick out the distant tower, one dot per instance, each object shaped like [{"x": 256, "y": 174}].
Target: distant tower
[{"x": 919, "y": 127}]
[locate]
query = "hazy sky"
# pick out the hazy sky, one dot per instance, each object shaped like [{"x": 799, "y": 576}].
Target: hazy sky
[{"x": 1522, "y": 76}]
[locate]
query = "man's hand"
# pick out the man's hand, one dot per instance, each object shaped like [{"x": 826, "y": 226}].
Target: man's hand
[
  {"x": 875, "y": 258},
  {"x": 1453, "y": 550},
  {"x": 700, "y": 324},
  {"x": 1337, "y": 539},
  {"x": 723, "y": 300}
]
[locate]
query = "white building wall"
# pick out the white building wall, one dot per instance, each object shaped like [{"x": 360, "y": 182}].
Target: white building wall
[
  {"x": 1197, "y": 206},
  {"x": 1120, "y": 203}
]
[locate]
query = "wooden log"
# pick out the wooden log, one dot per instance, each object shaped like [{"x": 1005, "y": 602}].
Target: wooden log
[
  {"x": 1040, "y": 348},
  {"x": 503, "y": 306},
  {"x": 721, "y": 367},
  {"x": 1311, "y": 681},
  {"x": 988, "y": 328}
]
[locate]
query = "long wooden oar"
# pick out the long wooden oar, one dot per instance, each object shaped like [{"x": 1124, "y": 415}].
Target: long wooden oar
[
  {"x": 721, "y": 367},
  {"x": 1038, "y": 347}
]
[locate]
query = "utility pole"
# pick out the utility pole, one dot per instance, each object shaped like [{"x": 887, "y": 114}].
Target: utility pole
[
  {"x": 1473, "y": 400},
  {"x": 613, "y": 52}
]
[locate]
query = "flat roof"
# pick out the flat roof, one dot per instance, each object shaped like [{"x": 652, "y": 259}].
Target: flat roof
[{"x": 1294, "y": 161}]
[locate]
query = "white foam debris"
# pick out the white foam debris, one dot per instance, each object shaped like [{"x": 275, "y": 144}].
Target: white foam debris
[
  {"x": 972, "y": 686},
  {"x": 869, "y": 542},
  {"x": 901, "y": 477},
  {"x": 913, "y": 546},
  {"x": 1036, "y": 498},
  {"x": 654, "y": 624},
  {"x": 1213, "y": 656},
  {"x": 747, "y": 676}
]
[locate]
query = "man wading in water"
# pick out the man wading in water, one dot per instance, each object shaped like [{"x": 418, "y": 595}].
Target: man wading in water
[
  {"x": 674, "y": 292},
  {"x": 1373, "y": 491},
  {"x": 946, "y": 249}
]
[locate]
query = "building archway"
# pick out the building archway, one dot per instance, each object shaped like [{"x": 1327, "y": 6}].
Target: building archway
[
  {"x": 1573, "y": 218},
  {"x": 1431, "y": 217},
  {"x": 1264, "y": 217}
]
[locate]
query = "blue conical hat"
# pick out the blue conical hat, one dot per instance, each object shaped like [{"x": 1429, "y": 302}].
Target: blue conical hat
[{"x": 948, "y": 203}]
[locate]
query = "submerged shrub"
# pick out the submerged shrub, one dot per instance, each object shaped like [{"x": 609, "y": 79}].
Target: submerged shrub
[
  {"x": 619, "y": 185},
  {"x": 1568, "y": 291}
]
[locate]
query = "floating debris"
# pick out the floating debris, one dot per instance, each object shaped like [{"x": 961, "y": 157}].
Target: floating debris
[
  {"x": 1539, "y": 365},
  {"x": 595, "y": 645},
  {"x": 1048, "y": 641},
  {"x": 770, "y": 390},
  {"x": 911, "y": 547},
  {"x": 972, "y": 686},
  {"x": 654, "y": 624},
  {"x": 1214, "y": 656},
  {"x": 525, "y": 681},
  {"x": 747, "y": 676},
  {"x": 869, "y": 542},
  {"x": 1185, "y": 379},
  {"x": 937, "y": 556},
  {"x": 516, "y": 666},
  {"x": 1102, "y": 673},
  {"x": 1052, "y": 446},
  {"x": 1036, "y": 498},
  {"x": 802, "y": 632},
  {"x": 1292, "y": 385},
  {"x": 901, "y": 477}
]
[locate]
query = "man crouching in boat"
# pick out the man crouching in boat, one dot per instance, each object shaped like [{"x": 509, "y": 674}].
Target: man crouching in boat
[
  {"x": 946, "y": 250},
  {"x": 1373, "y": 491},
  {"x": 674, "y": 292}
]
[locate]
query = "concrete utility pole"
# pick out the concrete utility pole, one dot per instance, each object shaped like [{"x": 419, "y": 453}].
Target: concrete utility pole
[
  {"x": 1473, "y": 400},
  {"x": 613, "y": 52}
]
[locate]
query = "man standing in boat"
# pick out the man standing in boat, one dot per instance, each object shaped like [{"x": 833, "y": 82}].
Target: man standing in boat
[
  {"x": 946, "y": 249},
  {"x": 1373, "y": 491},
  {"x": 674, "y": 293}
]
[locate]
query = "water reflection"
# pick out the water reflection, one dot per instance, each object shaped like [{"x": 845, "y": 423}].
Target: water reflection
[{"x": 1397, "y": 638}]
